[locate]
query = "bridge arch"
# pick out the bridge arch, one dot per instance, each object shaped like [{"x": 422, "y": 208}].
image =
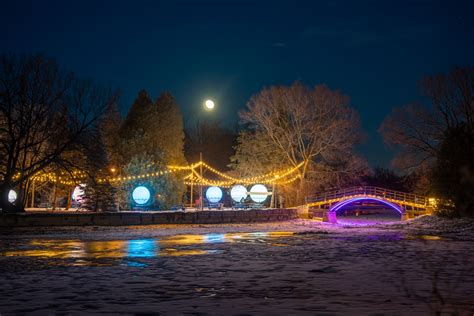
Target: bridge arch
[
  {"x": 326, "y": 204},
  {"x": 341, "y": 204},
  {"x": 331, "y": 215}
]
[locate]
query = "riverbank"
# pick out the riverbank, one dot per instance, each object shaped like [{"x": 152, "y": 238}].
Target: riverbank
[
  {"x": 50, "y": 219},
  {"x": 423, "y": 225}
]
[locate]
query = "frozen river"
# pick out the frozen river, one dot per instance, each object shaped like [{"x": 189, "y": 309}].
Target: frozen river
[{"x": 299, "y": 267}]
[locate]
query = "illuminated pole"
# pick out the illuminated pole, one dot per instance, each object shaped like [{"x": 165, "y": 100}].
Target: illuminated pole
[
  {"x": 192, "y": 182},
  {"x": 208, "y": 106},
  {"x": 273, "y": 200},
  {"x": 200, "y": 187}
]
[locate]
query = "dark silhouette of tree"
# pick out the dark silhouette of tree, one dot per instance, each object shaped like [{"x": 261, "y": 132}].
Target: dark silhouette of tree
[
  {"x": 452, "y": 176},
  {"x": 386, "y": 178},
  {"x": 109, "y": 132},
  {"x": 135, "y": 132},
  {"x": 44, "y": 112},
  {"x": 214, "y": 141},
  {"x": 438, "y": 136},
  {"x": 169, "y": 129}
]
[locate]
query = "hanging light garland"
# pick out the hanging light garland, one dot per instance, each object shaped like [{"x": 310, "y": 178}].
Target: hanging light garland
[{"x": 75, "y": 177}]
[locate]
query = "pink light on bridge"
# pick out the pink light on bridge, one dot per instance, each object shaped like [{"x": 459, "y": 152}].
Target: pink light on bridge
[{"x": 339, "y": 205}]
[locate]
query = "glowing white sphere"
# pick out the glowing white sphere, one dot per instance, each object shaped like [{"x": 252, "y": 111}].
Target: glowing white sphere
[
  {"x": 141, "y": 195},
  {"x": 12, "y": 196},
  {"x": 209, "y": 104},
  {"x": 238, "y": 192},
  {"x": 258, "y": 193},
  {"x": 78, "y": 193},
  {"x": 214, "y": 194}
]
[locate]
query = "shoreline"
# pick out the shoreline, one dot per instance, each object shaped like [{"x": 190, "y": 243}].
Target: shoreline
[{"x": 421, "y": 226}]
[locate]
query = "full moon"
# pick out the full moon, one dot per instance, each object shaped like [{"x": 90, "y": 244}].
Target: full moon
[{"x": 209, "y": 104}]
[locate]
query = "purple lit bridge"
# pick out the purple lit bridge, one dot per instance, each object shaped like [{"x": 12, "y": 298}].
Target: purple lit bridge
[{"x": 327, "y": 204}]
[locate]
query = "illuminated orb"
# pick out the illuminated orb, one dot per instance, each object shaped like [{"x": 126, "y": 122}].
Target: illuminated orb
[
  {"x": 258, "y": 193},
  {"x": 12, "y": 196},
  {"x": 78, "y": 193},
  {"x": 238, "y": 192},
  {"x": 141, "y": 195},
  {"x": 214, "y": 194},
  {"x": 209, "y": 104}
]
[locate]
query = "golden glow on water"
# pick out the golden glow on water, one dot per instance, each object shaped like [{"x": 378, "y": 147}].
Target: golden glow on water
[
  {"x": 180, "y": 253},
  {"x": 137, "y": 248},
  {"x": 182, "y": 240},
  {"x": 107, "y": 249},
  {"x": 51, "y": 248},
  {"x": 429, "y": 237}
]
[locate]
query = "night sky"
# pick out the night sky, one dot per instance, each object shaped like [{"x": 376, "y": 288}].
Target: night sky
[{"x": 373, "y": 51}]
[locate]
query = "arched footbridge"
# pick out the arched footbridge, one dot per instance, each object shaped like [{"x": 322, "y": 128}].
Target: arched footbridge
[{"x": 327, "y": 204}]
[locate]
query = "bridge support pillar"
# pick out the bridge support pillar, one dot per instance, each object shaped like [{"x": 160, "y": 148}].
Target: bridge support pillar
[
  {"x": 303, "y": 212},
  {"x": 405, "y": 214},
  {"x": 330, "y": 217}
]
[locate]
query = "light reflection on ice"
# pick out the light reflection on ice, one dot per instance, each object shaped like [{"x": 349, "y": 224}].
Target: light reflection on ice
[
  {"x": 141, "y": 248},
  {"x": 137, "y": 248}
]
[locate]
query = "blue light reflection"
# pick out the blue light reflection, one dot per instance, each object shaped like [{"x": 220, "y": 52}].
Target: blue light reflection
[
  {"x": 142, "y": 248},
  {"x": 214, "y": 238}
]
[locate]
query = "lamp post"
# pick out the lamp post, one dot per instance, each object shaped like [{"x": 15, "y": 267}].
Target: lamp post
[
  {"x": 208, "y": 106},
  {"x": 200, "y": 187}
]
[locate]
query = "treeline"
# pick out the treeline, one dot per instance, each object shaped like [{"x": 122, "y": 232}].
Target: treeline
[
  {"x": 435, "y": 140},
  {"x": 56, "y": 125}
]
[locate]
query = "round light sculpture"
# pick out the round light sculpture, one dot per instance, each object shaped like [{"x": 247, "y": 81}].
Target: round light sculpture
[
  {"x": 141, "y": 195},
  {"x": 12, "y": 196},
  {"x": 258, "y": 193},
  {"x": 78, "y": 193},
  {"x": 214, "y": 194},
  {"x": 238, "y": 192},
  {"x": 209, "y": 105}
]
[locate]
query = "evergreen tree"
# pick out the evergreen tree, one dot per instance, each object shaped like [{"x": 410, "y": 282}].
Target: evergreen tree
[
  {"x": 163, "y": 188},
  {"x": 169, "y": 129},
  {"x": 99, "y": 194},
  {"x": 170, "y": 136},
  {"x": 110, "y": 128},
  {"x": 152, "y": 133},
  {"x": 135, "y": 136}
]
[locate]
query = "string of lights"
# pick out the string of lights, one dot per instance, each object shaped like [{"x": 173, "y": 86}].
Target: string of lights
[{"x": 75, "y": 177}]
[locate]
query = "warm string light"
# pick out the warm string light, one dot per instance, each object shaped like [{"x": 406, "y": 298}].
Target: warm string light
[
  {"x": 193, "y": 176},
  {"x": 270, "y": 178}
]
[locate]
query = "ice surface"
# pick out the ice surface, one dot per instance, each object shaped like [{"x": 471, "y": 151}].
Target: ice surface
[{"x": 299, "y": 267}]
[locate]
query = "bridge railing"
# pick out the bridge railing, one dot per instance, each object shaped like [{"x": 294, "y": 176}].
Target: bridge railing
[{"x": 368, "y": 190}]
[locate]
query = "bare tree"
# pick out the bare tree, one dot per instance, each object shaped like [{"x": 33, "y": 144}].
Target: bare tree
[
  {"x": 44, "y": 112},
  {"x": 315, "y": 126},
  {"x": 439, "y": 139},
  {"x": 417, "y": 130}
]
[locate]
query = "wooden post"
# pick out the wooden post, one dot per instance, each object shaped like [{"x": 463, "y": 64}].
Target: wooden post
[
  {"x": 32, "y": 201},
  {"x": 55, "y": 195},
  {"x": 69, "y": 198},
  {"x": 201, "y": 199},
  {"x": 192, "y": 189},
  {"x": 272, "y": 200}
]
